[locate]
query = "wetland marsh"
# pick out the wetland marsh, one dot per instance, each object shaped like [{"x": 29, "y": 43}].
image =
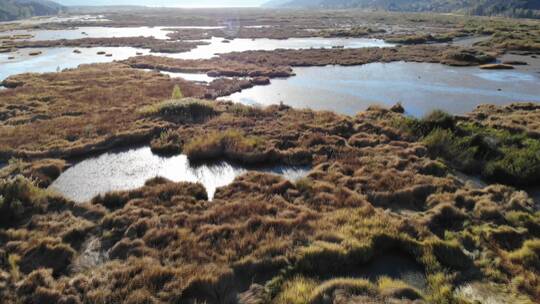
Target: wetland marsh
[{"x": 283, "y": 156}]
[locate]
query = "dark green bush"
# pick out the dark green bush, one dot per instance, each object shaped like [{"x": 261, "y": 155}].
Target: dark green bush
[
  {"x": 457, "y": 151},
  {"x": 520, "y": 165},
  {"x": 19, "y": 198},
  {"x": 422, "y": 127},
  {"x": 497, "y": 155}
]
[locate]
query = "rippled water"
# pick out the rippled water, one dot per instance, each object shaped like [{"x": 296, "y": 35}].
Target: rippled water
[
  {"x": 420, "y": 87},
  {"x": 53, "y": 59},
  {"x": 132, "y": 168},
  {"x": 217, "y": 46}
]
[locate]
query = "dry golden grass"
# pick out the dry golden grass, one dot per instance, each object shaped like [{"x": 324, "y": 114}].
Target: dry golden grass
[
  {"x": 93, "y": 107},
  {"x": 278, "y": 63},
  {"x": 78, "y": 108},
  {"x": 372, "y": 190},
  {"x": 298, "y": 241},
  {"x": 519, "y": 117}
]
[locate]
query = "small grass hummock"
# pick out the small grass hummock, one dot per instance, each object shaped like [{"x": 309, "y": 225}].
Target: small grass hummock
[
  {"x": 168, "y": 143},
  {"x": 181, "y": 110},
  {"x": 19, "y": 198},
  {"x": 231, "y": 144},
  {"x": 528, "y": 255}
]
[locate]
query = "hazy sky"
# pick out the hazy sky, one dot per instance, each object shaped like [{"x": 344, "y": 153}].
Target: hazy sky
[{"x": 179, "y": 3}]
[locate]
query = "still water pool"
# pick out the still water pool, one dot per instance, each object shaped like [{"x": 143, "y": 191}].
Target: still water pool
[
  {"x": 420, "y": 87},
  {"x": 130, "y": 169},
  {"x": 218, "y": 46},
  {"x": 53, "y": 59}
]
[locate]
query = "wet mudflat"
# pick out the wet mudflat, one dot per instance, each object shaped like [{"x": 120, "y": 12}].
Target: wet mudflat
[{"x": 130, "y": 169}]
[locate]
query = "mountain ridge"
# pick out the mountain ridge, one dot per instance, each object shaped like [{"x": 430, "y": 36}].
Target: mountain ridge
[
  {"x": 512, "y": 8},
  {"x": 18, "y": 9}
]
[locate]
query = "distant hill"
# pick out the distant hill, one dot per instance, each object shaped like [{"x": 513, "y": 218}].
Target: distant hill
[
  {"x": 18, "y": 9},
  {"x": 517, "y": 8}
]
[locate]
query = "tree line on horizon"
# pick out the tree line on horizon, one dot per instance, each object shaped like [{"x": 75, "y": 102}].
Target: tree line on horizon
[
  {"x": 509, "y": 8},
  {"x": 19, "y": 9}
]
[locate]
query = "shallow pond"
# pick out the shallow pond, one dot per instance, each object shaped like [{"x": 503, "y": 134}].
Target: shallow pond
[
  {"x": 63, "y": 57},
  {"x": 158, "y": 32},
  {"x": 218, "y": 46},
  {"x": 200, "y": 77},
  {"x": 190, "y": 76},
  {"x": 420, "y": 87},
  {"x": 130, "y": 169},
  {"x": 92, "y": 32},
  {"x": 52, "y": 59}
]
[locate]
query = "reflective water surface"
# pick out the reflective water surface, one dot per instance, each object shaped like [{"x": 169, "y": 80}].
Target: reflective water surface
[
  {"x": 158, "y": 32},
  {"x": 420, "y": 87},
  {"x": 201, "y": 77},
  {"x": 52, "y": 59},
  {"x": 218, "y": 46},
  {"x": 190, "y": 76},
  {"x": 130, "y": 169},
  {"x": 92, "y": 32}
]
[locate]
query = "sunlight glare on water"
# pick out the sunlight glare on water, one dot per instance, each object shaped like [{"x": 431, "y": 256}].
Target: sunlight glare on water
[
  {"x": 130, "y": 169},
  {"x": 420, "y": 87}
]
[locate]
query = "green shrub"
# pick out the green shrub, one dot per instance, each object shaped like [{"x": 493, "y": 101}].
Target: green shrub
[
  {"x": 519, "y": 165},
  {"x": 19, "y": 198},
  {"x": 436, "y": 119},
  {"x": 443, "y": 143},
  {"x": 498, "y": 155},
  {"x": 177, "y": 93}
]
